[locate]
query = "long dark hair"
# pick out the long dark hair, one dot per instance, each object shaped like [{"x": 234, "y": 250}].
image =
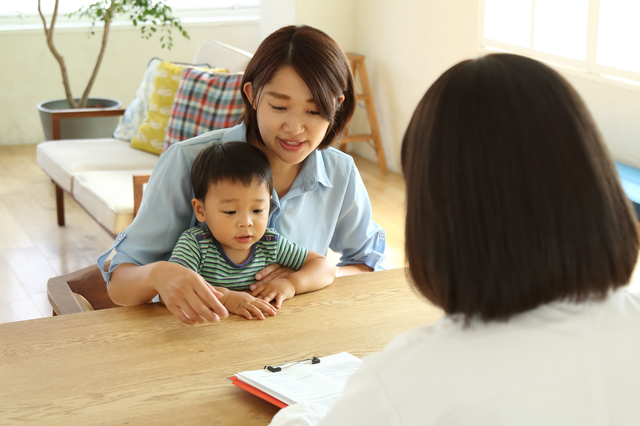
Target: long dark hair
[
  {"x": 512, "y": 199},
  {"x": 321, "y": 64}
]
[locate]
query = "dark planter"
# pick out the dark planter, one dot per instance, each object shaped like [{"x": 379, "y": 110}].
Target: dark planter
[{"x": 80, "y": 128}]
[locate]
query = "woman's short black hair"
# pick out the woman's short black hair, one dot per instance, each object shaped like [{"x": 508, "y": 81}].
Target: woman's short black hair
[
  {"x": 512, "y": 199},
  {"x": 236, "y": 162},
  {"x": 321, "y": 64}
]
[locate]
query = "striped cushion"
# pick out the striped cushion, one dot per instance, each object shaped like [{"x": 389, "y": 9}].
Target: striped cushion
[{"x": 205, "y": 101}]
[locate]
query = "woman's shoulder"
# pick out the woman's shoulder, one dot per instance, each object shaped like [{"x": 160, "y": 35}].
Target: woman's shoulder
[
  {"x": 407, "y": 344},
  {"x": 335, "y": 164},
  {"x": 336, "y": 157},
  {"x": 192, "y": 147}
]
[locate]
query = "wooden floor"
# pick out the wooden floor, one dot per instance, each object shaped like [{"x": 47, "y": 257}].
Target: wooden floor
[{"x": 33, "y": 248}]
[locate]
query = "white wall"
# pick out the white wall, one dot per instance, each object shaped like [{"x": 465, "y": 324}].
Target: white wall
[
  {"x": 31, "y": 75},
  {"x": 407, "y": 45}
]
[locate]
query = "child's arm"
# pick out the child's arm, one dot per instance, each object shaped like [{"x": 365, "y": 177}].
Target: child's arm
[
  {"x": 182, "y": 290},
  {"x": 241, "y": 303},
  {"x": 316, "y": 273}
]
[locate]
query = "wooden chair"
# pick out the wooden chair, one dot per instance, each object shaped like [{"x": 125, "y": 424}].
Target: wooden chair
[
  {"x": 80, "y": 291},
  {"x": 85, "y": 290}
]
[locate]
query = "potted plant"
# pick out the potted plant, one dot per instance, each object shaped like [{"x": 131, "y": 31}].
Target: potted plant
[{"x": 151, "y": 16}]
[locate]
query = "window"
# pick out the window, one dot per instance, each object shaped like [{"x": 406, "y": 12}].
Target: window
[
  {"x": 599, "y": 37},
  {"x": 23, "y": 15}
]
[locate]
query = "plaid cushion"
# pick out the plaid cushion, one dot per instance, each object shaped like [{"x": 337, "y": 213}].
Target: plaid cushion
[{"x": 205, "y": 101}]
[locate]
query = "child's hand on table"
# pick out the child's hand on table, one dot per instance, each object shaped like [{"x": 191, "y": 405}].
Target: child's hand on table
[
  {"x": 270, "y": 273},
  {"x": 244, "y": 304},
  {"x": 279, "y": 289}
]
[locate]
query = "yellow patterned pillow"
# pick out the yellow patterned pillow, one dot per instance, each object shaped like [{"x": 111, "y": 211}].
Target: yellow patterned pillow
[{"x": 150, "y": 135}]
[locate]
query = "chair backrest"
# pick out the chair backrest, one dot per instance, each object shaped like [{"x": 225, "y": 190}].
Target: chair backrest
[
  {"x": 218, "y": 54},
  {"x": 63, "y": 292}
]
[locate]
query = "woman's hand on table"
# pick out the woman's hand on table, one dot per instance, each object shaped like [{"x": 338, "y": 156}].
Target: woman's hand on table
[{"x": 187, "y": 295}]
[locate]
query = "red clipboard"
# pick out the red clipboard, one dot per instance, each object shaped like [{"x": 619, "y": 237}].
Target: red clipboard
[{"x": 257, "y": 392}]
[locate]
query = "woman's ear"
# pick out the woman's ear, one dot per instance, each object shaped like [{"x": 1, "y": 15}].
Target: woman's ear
[
  {"x": 248, "y": 90},
  {"x": 341, "y": 99},
  {"x": 198, "y": 208}
]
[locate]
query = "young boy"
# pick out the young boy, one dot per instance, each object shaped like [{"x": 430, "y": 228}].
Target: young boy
[{"x": 232, "y": 183}]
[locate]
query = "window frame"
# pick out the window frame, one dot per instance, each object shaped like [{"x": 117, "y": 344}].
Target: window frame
[
  {"x": 30, "y": 23},
  {"x": 587, "y": 67}
]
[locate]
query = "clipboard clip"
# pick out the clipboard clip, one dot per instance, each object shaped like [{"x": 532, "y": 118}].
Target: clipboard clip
[{"x": 276, "y": 368}]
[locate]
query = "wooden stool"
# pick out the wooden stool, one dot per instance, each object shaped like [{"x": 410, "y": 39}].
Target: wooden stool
[{"x": 358, "y": 68}]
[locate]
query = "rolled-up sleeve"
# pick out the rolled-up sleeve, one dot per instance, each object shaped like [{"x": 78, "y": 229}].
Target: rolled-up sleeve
[
  {"x": 164, "y": 214},
  {"x": 357, "y": 236}
]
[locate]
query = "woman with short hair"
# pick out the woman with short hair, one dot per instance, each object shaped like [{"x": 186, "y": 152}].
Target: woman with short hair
[{"x": 518, "y": 228}]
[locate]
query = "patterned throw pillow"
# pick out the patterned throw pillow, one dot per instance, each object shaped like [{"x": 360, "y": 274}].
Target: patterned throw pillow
[
  {"x": 205, "y": 101},
  {"x": 135, "y": 113},
  {"x": 150, "y": 135}
]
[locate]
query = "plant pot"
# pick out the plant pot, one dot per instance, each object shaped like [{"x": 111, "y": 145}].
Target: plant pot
[{"x": 80, "y": 128}]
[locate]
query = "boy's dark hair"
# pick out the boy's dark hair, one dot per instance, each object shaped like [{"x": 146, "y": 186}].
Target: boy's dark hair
[
  {"x": 236, "y": 162},
  {"x": 321, "y": 64},
  {"x": 512, "y": 199}
]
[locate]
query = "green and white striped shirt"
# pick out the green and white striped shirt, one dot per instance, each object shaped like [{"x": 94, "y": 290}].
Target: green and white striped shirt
[{"x": 198, "y": 250}]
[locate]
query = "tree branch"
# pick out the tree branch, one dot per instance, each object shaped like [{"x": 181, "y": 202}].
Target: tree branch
[
  {"x": 63, "y": 68},
  {"x": 105, "y": 36},
  {"x": 44, "y": 21}
]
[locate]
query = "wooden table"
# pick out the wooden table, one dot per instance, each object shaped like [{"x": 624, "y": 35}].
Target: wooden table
[{"x": 141, "y": 366}]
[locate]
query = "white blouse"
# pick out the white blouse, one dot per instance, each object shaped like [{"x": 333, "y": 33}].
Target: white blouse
[{"x": 560, "y": 364}]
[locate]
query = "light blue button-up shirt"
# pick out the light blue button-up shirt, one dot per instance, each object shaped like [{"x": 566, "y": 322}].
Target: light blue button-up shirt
[{"x": 327, "y": 206}]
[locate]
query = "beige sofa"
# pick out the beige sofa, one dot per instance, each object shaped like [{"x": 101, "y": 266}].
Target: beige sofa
[{"x": 99, "y": 173}]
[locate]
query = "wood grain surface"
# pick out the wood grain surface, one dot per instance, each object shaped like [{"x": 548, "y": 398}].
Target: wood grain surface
[{"x": 139, "y": 365}]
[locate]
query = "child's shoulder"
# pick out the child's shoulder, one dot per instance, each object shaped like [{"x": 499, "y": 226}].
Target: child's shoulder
[
  {"x": 199, "y": 233},
  {"x": 270, "y": 235}
]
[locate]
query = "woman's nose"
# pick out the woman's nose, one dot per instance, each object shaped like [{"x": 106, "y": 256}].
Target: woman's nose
[{"x": 294, "y": 124}]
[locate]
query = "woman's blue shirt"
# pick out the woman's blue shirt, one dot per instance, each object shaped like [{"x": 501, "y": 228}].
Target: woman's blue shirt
[{"x": 327, "y": 206}]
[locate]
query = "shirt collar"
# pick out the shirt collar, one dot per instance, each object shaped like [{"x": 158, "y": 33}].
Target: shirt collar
[
  {"x": 236, "y": 133},
  {"x": 314, "y": 172}
]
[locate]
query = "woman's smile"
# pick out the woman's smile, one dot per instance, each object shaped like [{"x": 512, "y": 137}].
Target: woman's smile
[{"x": 291, "y": 145}]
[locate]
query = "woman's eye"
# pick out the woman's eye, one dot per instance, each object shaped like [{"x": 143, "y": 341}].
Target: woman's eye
[
  {"x": 277, "y": 108},
  {"x": 314, "y": 112}
]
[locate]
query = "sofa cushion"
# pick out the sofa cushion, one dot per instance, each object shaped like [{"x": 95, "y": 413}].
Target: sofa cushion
[
  {"x": 205, "y": 101},
  {"x": 64, "y": 159},
  {"x": 150, "y": 135},
  {"x": 107, "y": 196}
]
